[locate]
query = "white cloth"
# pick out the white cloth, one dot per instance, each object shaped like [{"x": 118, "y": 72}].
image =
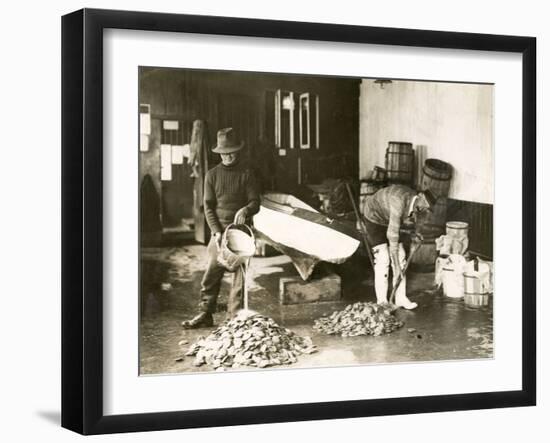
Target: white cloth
[
  {"x": 484, "y": 273},
  {"x": 447, "y": 245}
]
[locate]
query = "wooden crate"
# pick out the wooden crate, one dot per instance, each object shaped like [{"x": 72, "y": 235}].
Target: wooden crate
[{"x": 293, "y": 290}]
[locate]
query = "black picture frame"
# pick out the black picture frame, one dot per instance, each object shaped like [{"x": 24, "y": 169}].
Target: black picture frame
[{"x": 82, "y": 216}]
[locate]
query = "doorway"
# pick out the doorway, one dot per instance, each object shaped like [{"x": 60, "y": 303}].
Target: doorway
[{"x": 177, "y": 192}]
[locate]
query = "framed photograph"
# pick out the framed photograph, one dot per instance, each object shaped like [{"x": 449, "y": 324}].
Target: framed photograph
[{"x": 269, "y": 221}]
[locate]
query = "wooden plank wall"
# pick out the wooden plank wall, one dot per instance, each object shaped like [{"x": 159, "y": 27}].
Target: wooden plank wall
[
  {"x": 479, "y": 216},
  {"x": 224, "y": 98}
]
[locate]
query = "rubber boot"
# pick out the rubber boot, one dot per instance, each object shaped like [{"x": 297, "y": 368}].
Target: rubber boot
[{"x": 401, "y": 299}]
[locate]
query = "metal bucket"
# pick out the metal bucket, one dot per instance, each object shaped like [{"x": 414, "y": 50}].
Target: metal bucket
[{"x": 453, "y": 285}]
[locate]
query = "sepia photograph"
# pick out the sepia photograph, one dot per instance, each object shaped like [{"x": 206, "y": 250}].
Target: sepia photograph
[{"x": 292, "y": 221}]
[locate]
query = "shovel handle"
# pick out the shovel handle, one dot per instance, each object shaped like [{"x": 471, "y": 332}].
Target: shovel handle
[{"x": 362, "y": 227}]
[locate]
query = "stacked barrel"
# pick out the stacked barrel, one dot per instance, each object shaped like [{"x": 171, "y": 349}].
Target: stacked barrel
[
  {"x": 436, "y": 176},
  {"x": 400, "y": 163},
  {"x": 377, "y": 180},
  {"x": 399, "y": 169}
]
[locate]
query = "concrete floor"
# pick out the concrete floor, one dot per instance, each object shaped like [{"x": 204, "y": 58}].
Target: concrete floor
[{"x": 445, "y": 329}]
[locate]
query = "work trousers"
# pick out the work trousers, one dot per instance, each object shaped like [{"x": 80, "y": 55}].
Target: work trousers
[{"x": 211, "y": 282}]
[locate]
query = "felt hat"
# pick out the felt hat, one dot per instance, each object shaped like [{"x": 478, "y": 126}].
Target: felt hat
[{"x": 227, "y": 142}]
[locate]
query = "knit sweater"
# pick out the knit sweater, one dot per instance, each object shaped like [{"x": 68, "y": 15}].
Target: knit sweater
[
  {"x": 390, "y": 207},
  {"x": 226, "y": 190}
]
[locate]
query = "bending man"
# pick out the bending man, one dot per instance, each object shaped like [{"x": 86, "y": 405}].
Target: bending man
[{"x": 385, "y": 212}]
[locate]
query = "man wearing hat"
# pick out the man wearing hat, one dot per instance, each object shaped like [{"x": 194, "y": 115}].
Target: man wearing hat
[
  {"x": 385, "y": 212},
  {"x": 231, "y": 195}
]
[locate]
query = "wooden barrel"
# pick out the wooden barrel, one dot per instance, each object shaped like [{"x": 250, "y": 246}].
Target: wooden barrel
[
  {"x": 370, "y": 187},
  {"x": 438, "y": 215},
  {"x": 379, "y": 174},
  {"x": 436, "y": 176},
  {"x": 426, "y": 255},
  {"x": 400, "y": 163},
  {"x": 475, "y": 293}
]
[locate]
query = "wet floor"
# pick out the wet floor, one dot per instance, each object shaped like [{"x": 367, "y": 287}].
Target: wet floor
[{"x": 440, "y": 328}]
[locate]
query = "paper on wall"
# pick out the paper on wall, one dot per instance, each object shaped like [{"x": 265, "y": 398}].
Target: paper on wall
[
  {"x": 177, "y": 154},
  {"x": 170, "y": 125},
  {"x": 186, "y": 151},
  {"x": 143, "y": 142},
  {"x": 144, "y": 123},
  {"x": 166, "y": 162}
]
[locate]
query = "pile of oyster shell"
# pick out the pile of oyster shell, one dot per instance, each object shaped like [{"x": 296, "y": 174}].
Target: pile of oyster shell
[
  {"x": 362, "y": 318},
  {"x": 249, "y": 341}
]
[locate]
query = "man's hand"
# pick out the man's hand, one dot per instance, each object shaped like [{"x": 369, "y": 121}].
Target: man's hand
[
  {"x": 240, "y": 216},
  {"x": 417, "y": 239}
]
